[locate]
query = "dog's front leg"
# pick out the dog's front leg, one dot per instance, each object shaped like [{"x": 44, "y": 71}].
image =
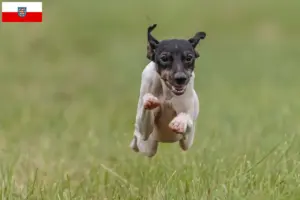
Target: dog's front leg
[
  {"x": 142, "y": 141},
  {"x": 187, "y": 141},
  {"x": 145, "y": 116},
  {"x": 185, "y": 122},
  {"x": 144, "y": 124}
]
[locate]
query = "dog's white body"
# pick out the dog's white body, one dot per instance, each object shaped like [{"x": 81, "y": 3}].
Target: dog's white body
[{"x": 162, "y": 116}]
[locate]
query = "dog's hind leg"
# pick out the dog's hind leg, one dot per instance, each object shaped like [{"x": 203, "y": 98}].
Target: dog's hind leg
[{"x": 148, "y": 147}]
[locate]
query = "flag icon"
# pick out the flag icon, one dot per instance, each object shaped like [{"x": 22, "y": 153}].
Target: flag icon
[{"x": 22, "y": 12}]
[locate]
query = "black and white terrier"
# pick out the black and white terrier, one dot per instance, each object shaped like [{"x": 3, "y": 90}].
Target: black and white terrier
[{"x": 168, "y": 105}]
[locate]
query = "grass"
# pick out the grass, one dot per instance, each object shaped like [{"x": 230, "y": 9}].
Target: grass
[{"x": 69, "y": 91}]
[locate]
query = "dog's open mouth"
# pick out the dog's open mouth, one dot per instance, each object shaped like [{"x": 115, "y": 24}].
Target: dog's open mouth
[{"x": 177, "y": 90}]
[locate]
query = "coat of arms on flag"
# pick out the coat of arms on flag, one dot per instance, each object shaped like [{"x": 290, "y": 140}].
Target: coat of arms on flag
[{"x": 22, "y": 11}]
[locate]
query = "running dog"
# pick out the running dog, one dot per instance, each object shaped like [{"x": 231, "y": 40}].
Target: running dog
[{"x": 168, "y": 105}]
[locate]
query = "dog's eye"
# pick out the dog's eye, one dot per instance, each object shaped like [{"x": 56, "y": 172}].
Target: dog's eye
[
  {"x": 189, "y": 58},
  {"x": 164, "y": 58}
]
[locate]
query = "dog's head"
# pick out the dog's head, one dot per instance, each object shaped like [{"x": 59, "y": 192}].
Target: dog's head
[{"x": 175, "y": 59}]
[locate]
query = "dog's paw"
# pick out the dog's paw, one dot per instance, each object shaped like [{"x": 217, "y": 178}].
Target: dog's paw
[
  {"x": 150, "y": 101},
  {"x": 180, "y": 124}
]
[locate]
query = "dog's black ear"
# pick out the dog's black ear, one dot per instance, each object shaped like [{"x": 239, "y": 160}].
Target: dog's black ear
[
  {"x": 195, "y": 40},
  {"x": 152, "y": 43}
]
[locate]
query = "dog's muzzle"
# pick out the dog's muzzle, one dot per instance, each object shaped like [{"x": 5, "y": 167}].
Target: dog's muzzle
[{"x": 175, "y": 88}]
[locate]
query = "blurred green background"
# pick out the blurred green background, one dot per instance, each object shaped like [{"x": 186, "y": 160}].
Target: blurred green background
[{"x": 69, "y": 90}]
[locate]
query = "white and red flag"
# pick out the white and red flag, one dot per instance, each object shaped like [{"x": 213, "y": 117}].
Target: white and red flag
[{"x": 22, "y": 12}]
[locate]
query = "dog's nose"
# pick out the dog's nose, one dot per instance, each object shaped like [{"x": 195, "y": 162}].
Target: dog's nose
[{"x": 180, "y": 78}]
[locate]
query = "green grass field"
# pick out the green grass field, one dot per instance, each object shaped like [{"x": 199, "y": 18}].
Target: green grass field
[{"x": 69, "y": 89}]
